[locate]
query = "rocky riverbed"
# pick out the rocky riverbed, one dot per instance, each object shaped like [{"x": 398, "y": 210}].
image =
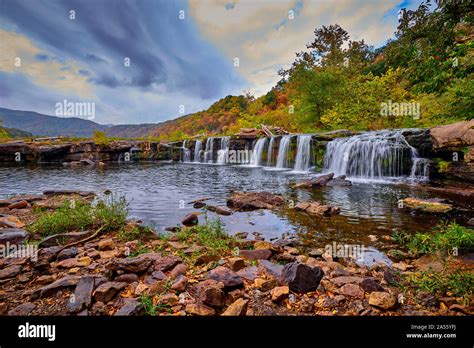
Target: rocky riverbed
[{"x": 135, "y": 271}]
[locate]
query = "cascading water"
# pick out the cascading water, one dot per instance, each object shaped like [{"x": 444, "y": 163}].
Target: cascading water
[
  {"x": 186, "y": 153},
  {"x": 270, "y": 151},
  {"x": 208, "y": 153},
  {"x": 197, "y": 151},
  {"x": 282, "y": 159},
  {"x": 222, "y": 153},
  {"x": 257, "y": 152},
  {"x": 374, "y": 155},
  {"x": 303, "y": 153}
]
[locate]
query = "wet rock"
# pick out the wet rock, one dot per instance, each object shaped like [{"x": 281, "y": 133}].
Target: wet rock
[
  {"x": 10, "y": 271},
  {"x": 10, "y": 221},
  {"x": 428, "y": 205},
  {"x": 23, "y": 309},
  {"x": 106, "y": 244},
  {"x": 67, "y": 254},
  {"x": 238, "y": 308},
  {"x": 107, "y": 291},
  {"x": 82, "y": 297},
  {"x": 63, "y": 239},
  {"x": 199, "y": 205},
  {"x": 260, "y": 254},
  {"x": 300, "y": 277},
  {"x": 280, "y": 293},
  {"x": 210, "y": 292},
  {"x": 190, "y": 220},
  {"x": 18, "y": 205},
  {"x": 317, "y": 208},
  {"x": 199, "y": 309},
  {"x": 127, "y": 278},
  {"x": 352, "y": 290},
  {"x": 319, "y": 181},
  {"x": 65, "y": 282},
  {"x": 229, "y": 278},
  {"x": 236, "y": 263},
  {"x": 131, "y": 307},
  {"x": 382, "y": 300},
  {"x": 370, "y": 285},
  {"x": 339, "y": 181},
  {"x": 219, "y": 210},
  {"x": 247, "y": 201},
  {"x": 12, "y": 236},
  {"x": 241, "y": 235}
]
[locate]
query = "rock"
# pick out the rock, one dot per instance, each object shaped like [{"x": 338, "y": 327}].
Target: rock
[
  {"x": 428, "y": 263},
  {"x": 106, "y": 244},
  {"x": 453, "y": 136},
  {"x": 44, "y": 279},
  {"x": 270, "y": 268},
  {"x": 180, "y": 283},
  {"x": 127, "y": 278},
  {"x": 263, "y": 245},
  {"x": 23, "y": 309},
  {"x": 107, "y": 291},
  {"x": 18, "y": 205},
  {"x": 199, "y": 309},
  {"x": 10, "y": 221},
  {"x": 199, "y": 205},
  {"x": 470, "y": 222},
  {"x": 316, "y": 252},
  {"x": 428, "y": 205},
  {"x": 67, "y": 254},
  {"x": 65, "y": 282},
  {"x": 12, "y": 236},
  {"x": 64, "y": 238},
  {"x": 382, "y": 300},
  {"x": 319, "y": 181},
  {"x": 265, "y": 284},
  {"x": 238, "y": 308},
  {"x": 179, "y": 269},
  {"x": 194, "y": 249},
  {"x": 249, "y": 273},
  {"x": 68, "y": 192},
  {"x": 339, "y": 281},
  {"x": 352, "y": 290},
  {"x": 169, "y": 299},
  {"x": 300, "y": 277},
  {"x": 370, "y": 285},
  {"x": 190, "y": 220},
  {"x": 3, "y": 308},
  {"x": 210, "y": 292},
  {"x": 219, "y": 210},
  {"x": 136, "y": 264},
  {"x": 236, "y": 263},
  {"x": 141, "y": 289},
  {"x": 131, "y": 307},
  {"x": 280, "y": 293},
  {"x": 260, "y": 254},
  {"x": 241, "y": 235},
  {"x": 339, "y": 181},
  {"x": 82, "y": 297},
  {"x": 49, "y": 254},
  {"x": 206, "y": 258},
  {"x": 317, "y": 208},
  {"x": 229, "y": 278},
  {"x": 10, "y": 271},
  {"x": 402, "y": 266},
  {"x": 247, "y": 201},
  {"x": 107, "y": 254}
]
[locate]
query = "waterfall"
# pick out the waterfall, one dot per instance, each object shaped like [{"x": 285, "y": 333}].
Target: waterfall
[
  {"x": 257, "y": 152},
  {"x": 197, "y": 151},
  {"x": 282, "y": 159},
  {"x": 303, "y": 153},
  {"x": 270, "y": 151},
  {"x": 373, "y": 155},
  {"x": 222, "y": 153},
  {"x": 186, "y": 153},
  {"x": 208, "y": 153}
]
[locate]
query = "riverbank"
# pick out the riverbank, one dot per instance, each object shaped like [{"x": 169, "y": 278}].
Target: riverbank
[{"x": 119, "y": 267}]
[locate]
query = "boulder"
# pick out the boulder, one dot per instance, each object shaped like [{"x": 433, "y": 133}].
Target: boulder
[
  {"x": 190, "y": 220},
  {"x": 236, "y": 263},
  {"x": 300, "y": 277},
  {"x": 210, "y": 292},
  {"x": 319, "y": 181},
  {"x": 248, "y": 201},
  {"x": 453, "y": 136},
  {"x": 229, "y": 278},
  {"x": 238, "y": 308},
  {"x": 370, "y": 285},
  {"x": 106, "y": 244},
  {"x": 316, "y": 208},
  {"x": 219, "y": 210},
  {"x": 82, "y": 297},
  {"x": 428, "y": 205}
]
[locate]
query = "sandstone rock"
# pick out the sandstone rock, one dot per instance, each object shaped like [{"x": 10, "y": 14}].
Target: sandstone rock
[
  {"x": 263, "y": 245},
  {"x": 177, "y": 245},
  {"x": 169, "y": 299},
  {"x": 280, "y": 293},
  {"x": 179, "y": 269},
  {"x": 18, "y": 205},
  {"x": 44, "y": 279},
  {"x": 190, "y": 220},
  {"x": 317, "y": 208},
  {"x": 300, "y": 277},
  {"x": 180, "y": 283},
  {"x": 249, "y": 273},
  {"x": 10, "y": 272},
  {"x": 210, "y": 292},
  {"x": 428, "y": 205},
  {"x": 382, "y": 300},
  {"x": 199, "y": 309},
  {"x": 136, "y": 264},
  {"x": 260, "y": 254},
  {"x": 65, "y": 282},
  {"x": 23, "y": 309},
  {"x": 319, "y": 181},
  {"x": 206, "y": 258},
  {"x": 453, "y": 136},
  {"x": 107, "y": 291},
  {"x": 229, "y": 278},
  {"x": 131, "y": 307},
  {"x": 236, "y": 263},
  {"x": 106, "y": 244},
  {"x": 370, "y": 285},
  {"x": 12, "y": 236},
  {"x": 82, "y": 297},
  {"x": 238, "y": 308},
  {"x": 339, "y": 281},
  {"x": 265, "y": 284},
  {"x": 107, "y": 254},
  {"x": 10, "y": 221},
  {"x": 352, "y": 290},
  {"x": 67, "y": 254},
  {"x": 270, "y": 268},
  {"x": 246, "y": 201},
  {"x": 127, "y": 278}
]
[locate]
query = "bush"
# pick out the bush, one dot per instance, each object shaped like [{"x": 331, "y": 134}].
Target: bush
[{"x": 100, "y": 138}]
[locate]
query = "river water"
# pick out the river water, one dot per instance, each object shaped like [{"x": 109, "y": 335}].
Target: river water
[{"x": 159, "y": 194}]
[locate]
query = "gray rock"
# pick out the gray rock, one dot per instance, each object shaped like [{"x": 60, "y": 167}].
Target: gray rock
[
  {"x": 12, "y": 236},
  {"x": 300, "y": 277}
]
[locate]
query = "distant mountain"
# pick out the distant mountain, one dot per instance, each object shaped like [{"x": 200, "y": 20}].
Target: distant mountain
[
  {"x": 44, "y": 125},
  {"x": 131, "y": 130},
  {"x": 17, "y": 133}
]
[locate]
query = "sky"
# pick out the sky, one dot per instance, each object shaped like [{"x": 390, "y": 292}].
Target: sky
[{"x": 147, "y": 61}]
